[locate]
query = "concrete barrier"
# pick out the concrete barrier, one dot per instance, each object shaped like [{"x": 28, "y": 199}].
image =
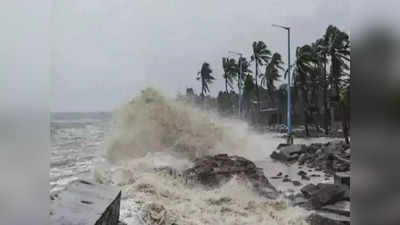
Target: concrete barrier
[{"x": 85, "y": 203}]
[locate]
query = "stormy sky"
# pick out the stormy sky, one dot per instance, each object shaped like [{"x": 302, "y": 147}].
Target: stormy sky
[{"x": 104, "y": 52}]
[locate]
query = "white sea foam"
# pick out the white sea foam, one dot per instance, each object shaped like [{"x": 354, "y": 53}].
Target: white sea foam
[{"x": 153, "y": 132}]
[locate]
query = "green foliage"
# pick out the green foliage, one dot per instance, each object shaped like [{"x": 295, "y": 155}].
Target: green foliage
[
  {"x": 205, "y": 77},
  {"x": 272, "y": 73},
  {"x": 230, "y": 72}
]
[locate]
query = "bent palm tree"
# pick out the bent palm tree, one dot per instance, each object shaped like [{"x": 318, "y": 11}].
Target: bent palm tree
[
  {"x": 272, "y": 73},
  {"x": 205, "y": 76},
  {"x": 229, "y": 67},
  {"x": 304, "y": 75},
  {"x": 337, "y": 47},
  {"x": 261, "y": 55}
]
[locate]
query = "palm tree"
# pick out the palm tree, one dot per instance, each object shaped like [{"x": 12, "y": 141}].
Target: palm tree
[
  {"x": 338, "y": 49},
  {"x": 244, "y": 63},
  {"x": 321, "y": 48},
  {"x": 230, "y": 71},
  {"x": 305, "y": 79},
  {"x": 272, "y": 74},
  {"x": 261, "y": 55},
  {"x": 206, "y": 78}
]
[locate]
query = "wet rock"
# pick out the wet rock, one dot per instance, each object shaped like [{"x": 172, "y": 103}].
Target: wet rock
[
  {"x": 213, "y": 171},
  {"x": 327, "y": 194},
  {"x": 302, "y": 158},
  {"x": 309, "y": 190},
  {"x": 299, "y": 200},
  {"x": 286, "y": 179},
  {"x": 301, "y": 173},
  {"x": 296, "y": 183},
  {"x": 323, "y": 218},
  {"x": 288, "y": 152},
  {"x": 340, "y": 207},
  {"x": 313, "y": 147}
]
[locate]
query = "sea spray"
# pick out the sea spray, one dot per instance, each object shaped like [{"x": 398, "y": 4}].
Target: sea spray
[
  {"x": 153, "y": 132},
  {"x": 152, "y": 123}
]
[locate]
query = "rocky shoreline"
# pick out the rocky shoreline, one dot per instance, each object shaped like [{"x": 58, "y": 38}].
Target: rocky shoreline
[{"x": 329, "y": 202}]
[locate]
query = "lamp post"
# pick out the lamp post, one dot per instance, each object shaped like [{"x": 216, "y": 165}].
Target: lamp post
[
  {"x": 239, "y": 80},
  {"x": 289, "y": 134}
]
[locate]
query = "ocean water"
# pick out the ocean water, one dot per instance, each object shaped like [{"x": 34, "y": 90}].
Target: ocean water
[
  {"x": 130, "y": 148},
  {"x": 76, "y": 143}
]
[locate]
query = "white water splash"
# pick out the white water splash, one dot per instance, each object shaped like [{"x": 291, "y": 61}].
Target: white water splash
[{"x": 153, "y": 132}]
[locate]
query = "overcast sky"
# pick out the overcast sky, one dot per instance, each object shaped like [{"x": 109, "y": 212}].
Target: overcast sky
[{"x": 106, "y": 51}]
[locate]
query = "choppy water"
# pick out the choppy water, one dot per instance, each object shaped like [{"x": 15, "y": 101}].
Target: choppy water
[
  {"x": 162, "y": 134},
  {"x": 76, "y": 143}
]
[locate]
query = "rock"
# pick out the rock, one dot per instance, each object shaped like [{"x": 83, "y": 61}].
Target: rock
[
  {"x": 309, "y": 190},
  {"x": 302, "y": 158},
  {"x": 340, "y": 207},
  {"x": 288, "y": 152},
  {"x": 286, "y": 179},
  {"x": 85, "y": 203},
  {"x": 213, "y": 171},
  {"x": 275, "y": 155},
  {"x": 299, "y": 200},
  {"x": 301, "y": 173},
  {"x": 296, "y": 183},
  {"x": 305, "y": 177},
  {"x": 327, "y": 194},
  {"x": 279, "y": 174},
  {"x": 322, "y": 218},
  {"x": 313, "y": 147}
]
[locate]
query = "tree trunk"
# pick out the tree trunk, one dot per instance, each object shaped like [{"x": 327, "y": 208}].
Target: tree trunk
[
  {"x": 306, "y": 122},
  {"x": 226, "y": 85},
  {"x": 202, "y": 89},
  {"x": 305, "y": 109},
  {"x": 345, "y": 123},
  {"x": 257, "y": 90},
  {"x": 326, "y": 111}
]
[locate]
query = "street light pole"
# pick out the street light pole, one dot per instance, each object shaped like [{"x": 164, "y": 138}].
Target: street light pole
[
  {"x": 239, "y": 80},
  {"x": 289, "y": 134}
]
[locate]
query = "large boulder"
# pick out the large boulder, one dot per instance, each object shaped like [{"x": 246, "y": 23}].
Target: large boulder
[
  {"x": 213, "y": 171},
  {"x": 324, "y": 218},
  {"x": 324, "y": 194},
  {"x": 340, "y": 207},
  {"x": 288, "y": 152}
]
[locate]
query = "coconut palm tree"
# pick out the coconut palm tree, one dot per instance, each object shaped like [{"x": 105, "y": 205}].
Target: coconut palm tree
[
  {"x": 321, "y": 49},
  {"x": 230, "y": 72},
  {"x": 244, "y": 64},
  {"x": 272, "y": 73},
  {"x": 305, "y": 78},
  {"x": 261, "y": 55},
  {"x": 205, "y": 76},
  {"x": 337, "y": 47}
]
